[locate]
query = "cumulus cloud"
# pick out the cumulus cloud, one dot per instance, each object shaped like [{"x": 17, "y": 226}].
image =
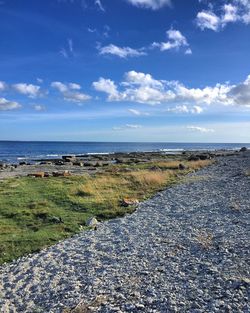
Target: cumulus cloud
[
  {"x": 150, "y": 4},
  {"x": 69, "y": 92},
  {"x": 8, "y": 105},
  {"x": 107, "y": 86},
  {"x": 185, "y": 109},
  {"x": 143, "y": 88},
  {"x": 122, "y": 52},
  {"x": 216, "y": 18},
  {"x": 200, "y": 129},
  {"x": 175, "y": 41},
  {"x": 30, "y": 90}
]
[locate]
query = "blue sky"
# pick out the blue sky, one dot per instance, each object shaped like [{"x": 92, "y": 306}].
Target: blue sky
[{"x": 125, "y": 70}]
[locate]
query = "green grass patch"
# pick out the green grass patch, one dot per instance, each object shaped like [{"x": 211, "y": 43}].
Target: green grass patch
[{"x": 38, "y": 212}]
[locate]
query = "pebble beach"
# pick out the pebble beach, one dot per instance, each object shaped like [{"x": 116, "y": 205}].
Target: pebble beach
[{"x": 184, "y": 250}]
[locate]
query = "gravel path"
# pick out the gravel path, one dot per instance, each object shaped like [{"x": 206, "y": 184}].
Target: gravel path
[{"x": 184, "y": 250}]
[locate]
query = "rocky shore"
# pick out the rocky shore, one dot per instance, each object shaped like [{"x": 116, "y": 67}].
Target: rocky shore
[
  {"x": 80, "y": 164},
  {"x": 184, "y": 250}
]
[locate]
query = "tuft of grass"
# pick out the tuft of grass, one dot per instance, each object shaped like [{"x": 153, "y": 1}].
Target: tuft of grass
[{"x": 36, "y": 213}]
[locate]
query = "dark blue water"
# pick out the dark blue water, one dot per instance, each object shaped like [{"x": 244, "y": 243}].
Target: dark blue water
[{"x": 14, "y": 151}]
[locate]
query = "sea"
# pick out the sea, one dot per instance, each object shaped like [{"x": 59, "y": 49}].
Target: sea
[{"x": 17, "y": 151}]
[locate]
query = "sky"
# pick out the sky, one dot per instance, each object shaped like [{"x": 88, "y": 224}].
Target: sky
[{"x": 125, "y": 70}]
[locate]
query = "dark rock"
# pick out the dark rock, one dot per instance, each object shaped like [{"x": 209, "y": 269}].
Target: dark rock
[
  {"x": 193, "y": 158},
  {"x": 243, "y": 149},
  {"x": 78, "y": 163},
  {"x": 3, "y": 165},
  {"x": 59, "y": 162},
  {"x": 23, "y": 163},
  {"x": 182, "y": 166},
  {"x": 56, "y": 220},
  {"x": 66, "y": 157}
]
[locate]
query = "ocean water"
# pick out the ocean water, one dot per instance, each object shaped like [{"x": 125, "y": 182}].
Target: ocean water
[{"x": 15, "y": 151}]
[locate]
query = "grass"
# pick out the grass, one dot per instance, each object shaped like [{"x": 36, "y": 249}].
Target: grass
[{"x": 38, "y": 212}]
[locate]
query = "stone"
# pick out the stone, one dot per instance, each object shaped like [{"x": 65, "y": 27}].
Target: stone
[
  {"x": 127, "y": 202},
  {"x": 182, "y": 166},
  {"x": 193, "y": 158},
  {"x": 92, "y": 222},
  {"x": 243, "y": 149},
  {"x": 61, "y": 174},
  {"x": 78, "y": 163},
  {"x": 38, "y": 174}
]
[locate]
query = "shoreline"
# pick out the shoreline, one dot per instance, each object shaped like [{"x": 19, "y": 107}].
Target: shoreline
[
  {"x": 95, "y": 162},
  {"x": 185, "y": 249}
]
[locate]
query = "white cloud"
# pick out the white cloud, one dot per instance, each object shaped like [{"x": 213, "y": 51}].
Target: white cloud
[
  {"x": 138, "y": 113},
  {"x": 150, "y": 4},
  {"x": 188, "y": 51},
  {"x": 143, "y": 88},
  {"x": 122, "y": 52},
  {"x": 138, "y": 78},
  {"x": 98, "y": 3},
  {"x": 74, "y": 86},
  {"x": 185, "y": 109},
  {"x": 8, "y": 105},
  {"x": 70, "y": 43},
  {"x": 69, "y": 50},
  {"x": 64, "y": 53},
  {"x": 38, "y": 107},
  {"x": 207, "y": 19},
  {"x": 30, "y": 90},
  {"x": 200, "y": 129},
  {"x": 175, "y": 41},
  {"x": 217, "y": 18},
  {"x": 76, "y": 97},
  {"x": 69, "y": 92},
  {"x": 60, "y": 86},
  {"x": 39, "y": 80},
  {"x": 197, "y": 109},
  {"x": 127, "y": 126},
  {"x": 3, "y": 86},
  {"x": 107, "y": 86}
]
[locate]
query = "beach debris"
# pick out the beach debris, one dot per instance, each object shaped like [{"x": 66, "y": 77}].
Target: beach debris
[
  {"x": 92, "y": 222},
  {"x": 127, "y": 202}
]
